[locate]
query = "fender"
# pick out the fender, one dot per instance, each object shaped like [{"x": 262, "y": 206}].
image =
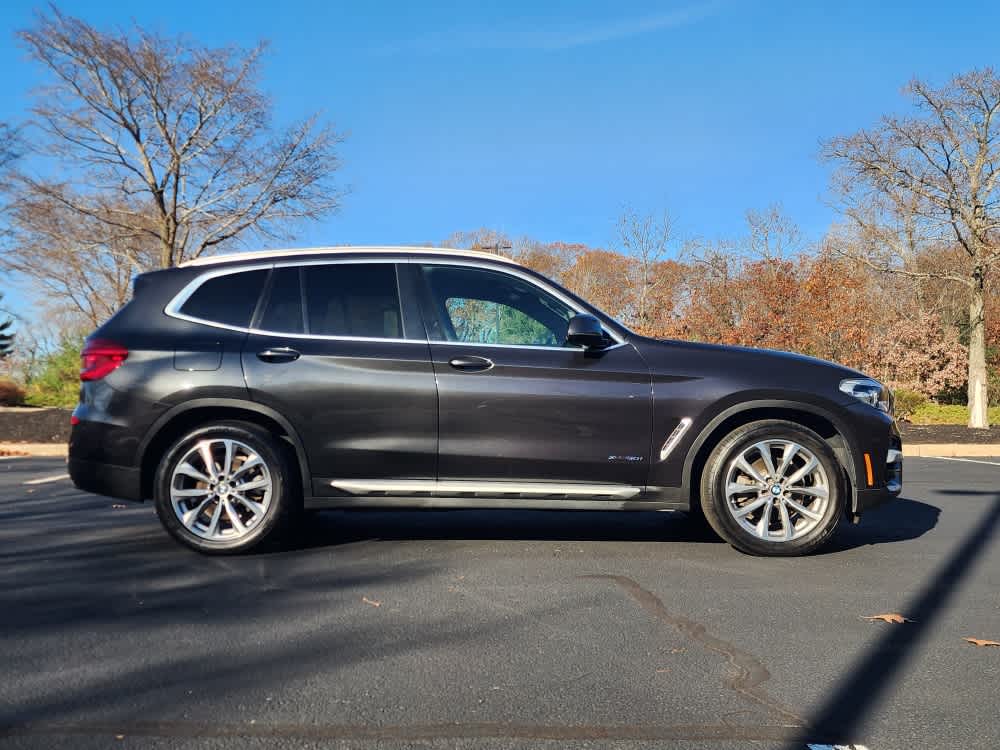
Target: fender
[
  {"x": 850, "y": 461},
  {"x": 232, "y": 403}
]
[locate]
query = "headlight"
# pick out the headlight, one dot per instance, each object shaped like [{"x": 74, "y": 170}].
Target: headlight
[{"x": 870, "y": 391}]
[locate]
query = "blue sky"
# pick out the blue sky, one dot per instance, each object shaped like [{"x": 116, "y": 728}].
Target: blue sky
[{"x": 544, "y": 118}]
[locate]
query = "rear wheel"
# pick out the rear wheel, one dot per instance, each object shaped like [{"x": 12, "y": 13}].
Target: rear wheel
[
  {"x": 225, "y": 488},
  {"x": 774, "y": 488}
]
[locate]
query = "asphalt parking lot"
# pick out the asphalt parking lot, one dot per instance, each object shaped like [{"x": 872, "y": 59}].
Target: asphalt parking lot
[{"x": 487, "y": 629}]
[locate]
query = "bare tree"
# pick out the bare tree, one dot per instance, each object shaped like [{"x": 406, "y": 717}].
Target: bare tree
[
  {"x": 6, "y": 338},
  {"x": 8, "y": 153},
  {"x": 161, "y": 143},
  {"x": 771, "y": 234},
  {"x": 82, "y": 269},
  {"x": 645, "y": 238},
  {"x": 930, "y": 179},
  {"x": 8, "y": 145}
]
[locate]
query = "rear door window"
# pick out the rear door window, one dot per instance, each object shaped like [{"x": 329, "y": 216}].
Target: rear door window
[
  {"x": 229, "y": 299},
  {"x": 353, "y": 299},
  {"x": 283, "y": 312}
]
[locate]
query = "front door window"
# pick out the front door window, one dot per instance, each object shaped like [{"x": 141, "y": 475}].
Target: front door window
[{"x": 480, "y": 306}]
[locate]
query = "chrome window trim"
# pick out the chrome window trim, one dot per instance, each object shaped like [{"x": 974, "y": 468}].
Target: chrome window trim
[
  {"x": 323, "y": 337},
  {"x": 173, "y": 307},
  {"x": 520, "y": 346}
]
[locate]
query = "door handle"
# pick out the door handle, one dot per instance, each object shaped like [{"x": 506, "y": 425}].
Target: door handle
[
  {"x": 282, "y": 354},
  {"x": 471, "y": 364}
]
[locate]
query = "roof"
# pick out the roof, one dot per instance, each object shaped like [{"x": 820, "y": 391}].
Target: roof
[{"x": 353, "y": 249}]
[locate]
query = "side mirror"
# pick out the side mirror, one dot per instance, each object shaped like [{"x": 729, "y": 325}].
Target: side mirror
[{"x": 586, "y": 331}]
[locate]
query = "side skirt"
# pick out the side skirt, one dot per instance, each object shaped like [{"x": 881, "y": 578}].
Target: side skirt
[
  {"x": 489, "y": 493},
  {"x": 508, "y": 503}
]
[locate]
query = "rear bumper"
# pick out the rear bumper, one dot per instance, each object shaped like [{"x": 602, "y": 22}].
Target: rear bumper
[
  {"x": 99, "y": 454},
  {"x": 120, "y": 482},
  {"x": 104, "y": 442}
]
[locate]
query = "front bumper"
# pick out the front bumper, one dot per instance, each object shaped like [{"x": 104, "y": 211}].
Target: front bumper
[
  {"x": 877, "y": 457},
  {"x": 865, "y": 499}
]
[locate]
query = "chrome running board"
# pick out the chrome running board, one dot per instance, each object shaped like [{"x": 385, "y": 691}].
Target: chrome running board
[{"x": 464, "y": 488}]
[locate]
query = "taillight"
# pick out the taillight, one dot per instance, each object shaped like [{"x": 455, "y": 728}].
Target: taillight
[{"x": 99, "y": 358}]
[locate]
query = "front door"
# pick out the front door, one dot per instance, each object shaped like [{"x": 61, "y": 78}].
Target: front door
[
  {"x": 515, "y": 404},
  {"x": 333, "y": 351}
]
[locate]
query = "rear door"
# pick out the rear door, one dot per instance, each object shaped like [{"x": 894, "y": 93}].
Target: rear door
[
  {"x": 516, "y": 404},
  {"x": 335, "y": 352}
]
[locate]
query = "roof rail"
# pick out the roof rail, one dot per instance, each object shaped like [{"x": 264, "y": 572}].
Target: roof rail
[{"x": 268, "y": 254}]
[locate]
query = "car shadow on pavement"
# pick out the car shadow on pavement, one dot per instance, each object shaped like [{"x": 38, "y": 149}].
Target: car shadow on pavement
[
  {"x": 898, "y": 521},
  {"x": 336, "y": 527}
]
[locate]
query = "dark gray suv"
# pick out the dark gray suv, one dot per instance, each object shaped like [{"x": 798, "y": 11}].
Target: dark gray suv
[{"x": 236, "y": 391}]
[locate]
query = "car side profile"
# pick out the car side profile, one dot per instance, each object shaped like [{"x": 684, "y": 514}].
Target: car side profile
[{"x": 236, "y": 391}]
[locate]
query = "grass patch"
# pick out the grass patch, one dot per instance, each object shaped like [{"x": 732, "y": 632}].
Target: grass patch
[{"x": 931, "y": 413}]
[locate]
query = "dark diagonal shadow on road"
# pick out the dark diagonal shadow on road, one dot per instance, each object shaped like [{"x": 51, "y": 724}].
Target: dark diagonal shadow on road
[{"x": 859, "y": 694}]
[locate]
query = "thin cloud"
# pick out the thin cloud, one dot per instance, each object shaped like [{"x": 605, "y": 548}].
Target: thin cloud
[{"x": 546, "y": 40}]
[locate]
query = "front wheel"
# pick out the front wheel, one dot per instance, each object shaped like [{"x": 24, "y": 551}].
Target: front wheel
[
  {"x": 773, "y": 488},
  {"x": 225, "y": 488}
]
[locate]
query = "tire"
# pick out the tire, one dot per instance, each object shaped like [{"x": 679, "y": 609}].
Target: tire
[
  {"x": 203, "y": 510},
  {"x": 788, "y": 515}
]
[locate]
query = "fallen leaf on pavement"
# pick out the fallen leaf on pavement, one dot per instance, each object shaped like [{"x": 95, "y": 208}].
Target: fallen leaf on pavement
[
  {"x": 891, "y": 617},
  {"x": 982, "y": 642},
  {"x": 372, "y": 602},
  {"x": 661, "y": 671}
]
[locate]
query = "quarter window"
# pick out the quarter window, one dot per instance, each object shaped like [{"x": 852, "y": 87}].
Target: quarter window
[
  {"x": 480, "y": 306},
  {"x": 229, "y": 299}
]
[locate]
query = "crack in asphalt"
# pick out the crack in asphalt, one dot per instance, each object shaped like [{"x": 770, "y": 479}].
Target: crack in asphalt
[{"x": 749, "y": 673}]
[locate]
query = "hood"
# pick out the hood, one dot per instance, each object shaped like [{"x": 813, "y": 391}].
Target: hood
[{"x": 755, "y": 367}]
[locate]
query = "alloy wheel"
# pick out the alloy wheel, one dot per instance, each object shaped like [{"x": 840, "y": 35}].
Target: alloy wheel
[
  {"x": 221, "y": 489},
  {"x": 777, "y": 490}
]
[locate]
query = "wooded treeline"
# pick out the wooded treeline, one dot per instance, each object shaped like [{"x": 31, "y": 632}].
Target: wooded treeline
[{"x": 142, "y": 151}]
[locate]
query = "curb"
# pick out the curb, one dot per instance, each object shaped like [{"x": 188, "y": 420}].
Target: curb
[
  {"x": 950, "y": 450},
  {"x": 48, "y": 450}
]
